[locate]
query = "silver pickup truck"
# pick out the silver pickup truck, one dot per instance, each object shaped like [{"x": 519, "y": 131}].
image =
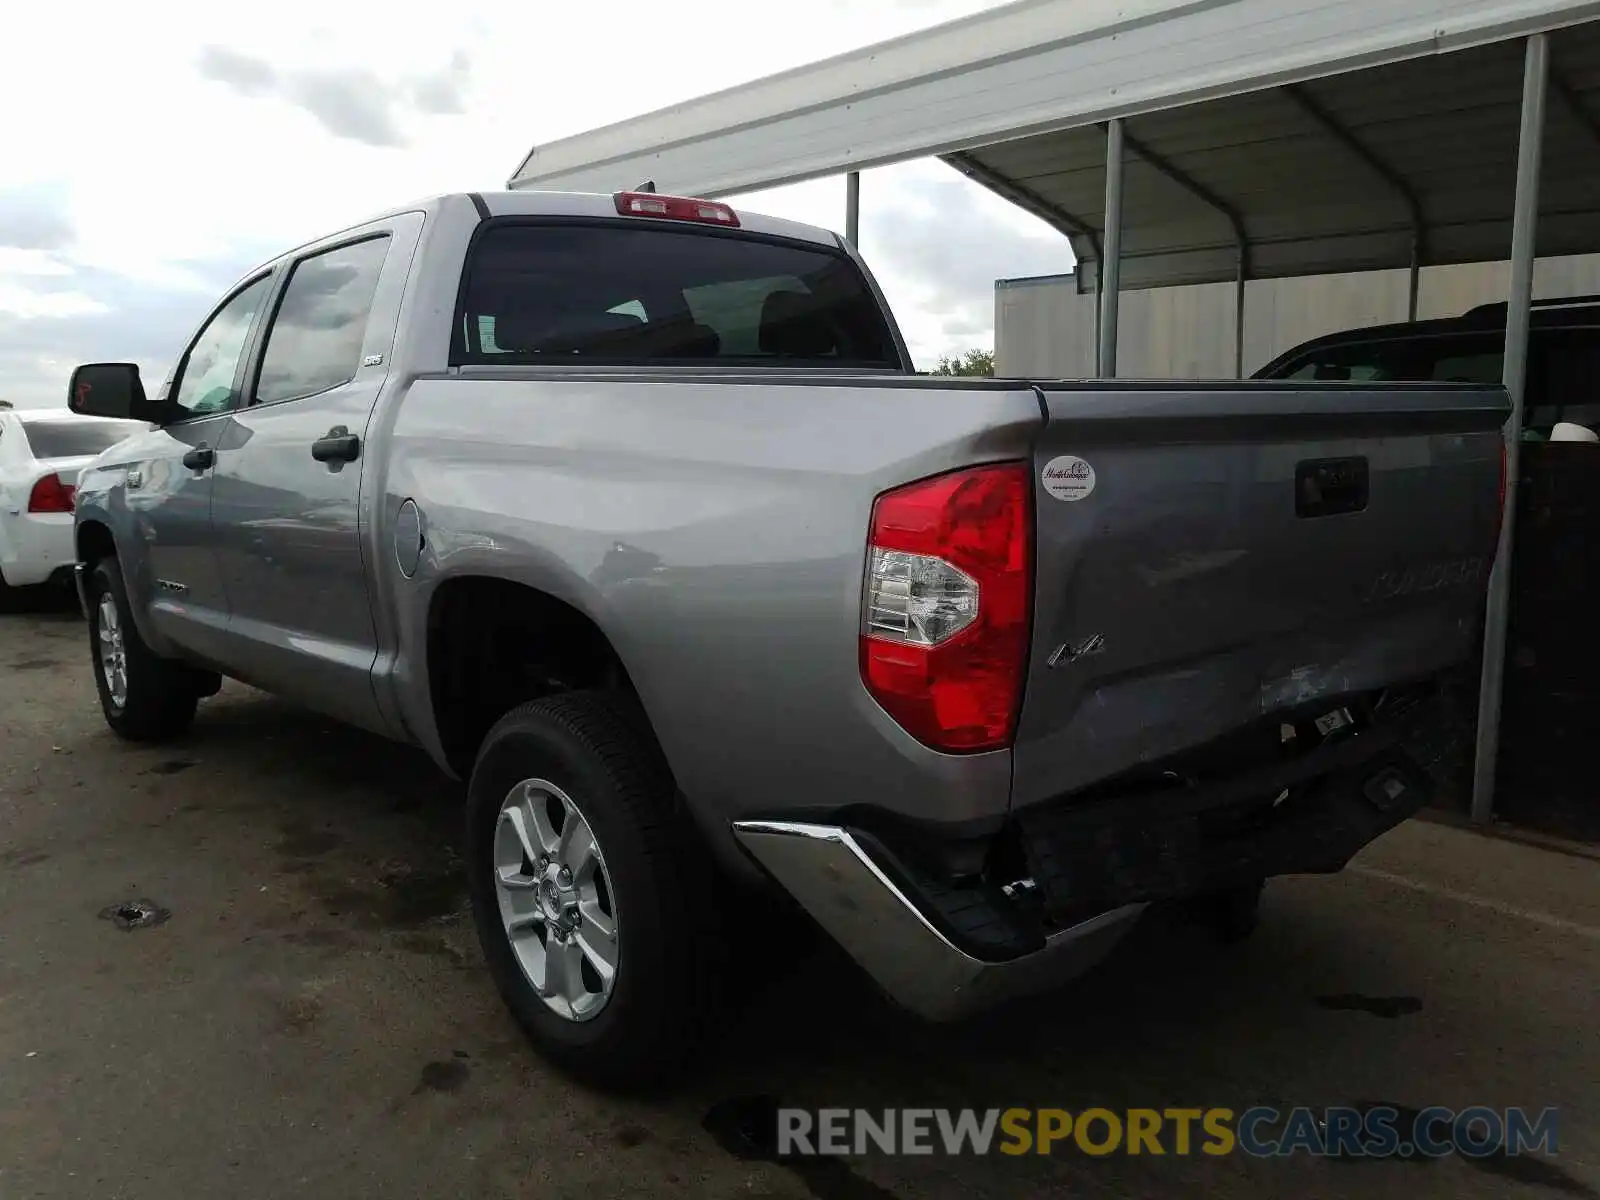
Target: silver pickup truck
[{"x": 631, "y": 511}]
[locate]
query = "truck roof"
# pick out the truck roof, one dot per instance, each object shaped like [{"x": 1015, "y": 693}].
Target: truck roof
[
  {"x": 534, "y": 203},
  {"x": 595, "y": 204},
  {"x": 1556, "y": 312}
]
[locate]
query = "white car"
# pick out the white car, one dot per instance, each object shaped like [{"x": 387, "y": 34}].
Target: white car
[{"x": 42, "y": 452}]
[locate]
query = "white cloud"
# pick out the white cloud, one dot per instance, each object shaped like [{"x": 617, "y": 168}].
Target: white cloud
[
  {"x": 17, "y": 263},
  {"x": 186, "y": 141},
  {"x": 21, "y": 302}
]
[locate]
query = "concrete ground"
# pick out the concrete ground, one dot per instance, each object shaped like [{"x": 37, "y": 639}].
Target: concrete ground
[{"x": 313, "y": 1020}]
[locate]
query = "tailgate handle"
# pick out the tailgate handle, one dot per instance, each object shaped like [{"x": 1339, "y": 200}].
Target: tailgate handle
[{"x": 1327, "y": 487}]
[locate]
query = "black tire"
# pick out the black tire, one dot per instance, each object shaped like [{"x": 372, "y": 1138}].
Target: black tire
[
  {"x": 161, "y": 692},
  {"x": 668, "y": 984},
  {"x": 1234, "y": 913}
]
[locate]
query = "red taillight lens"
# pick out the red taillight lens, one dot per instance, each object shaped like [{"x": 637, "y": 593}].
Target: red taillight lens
[
  {"x": 50, "y": 495},
  {"x": 944, "y": 622},
  {"x": 675, "y": 208}
]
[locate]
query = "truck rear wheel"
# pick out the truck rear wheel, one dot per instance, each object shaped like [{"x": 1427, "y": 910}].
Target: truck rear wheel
[
  {"x": 1233, "y": 913},
  {"x": 592, "y": 902},
  {"x": 145, "y": 698}
]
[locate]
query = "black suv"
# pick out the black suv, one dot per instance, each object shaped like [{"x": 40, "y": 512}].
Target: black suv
[{"x": 1563, "y": 357}]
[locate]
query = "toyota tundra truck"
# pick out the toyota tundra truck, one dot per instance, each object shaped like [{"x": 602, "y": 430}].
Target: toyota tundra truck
[{"x": 632, "y": 513}]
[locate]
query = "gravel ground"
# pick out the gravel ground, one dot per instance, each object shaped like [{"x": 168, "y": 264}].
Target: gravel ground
[{"x": 312, "y": 1019}]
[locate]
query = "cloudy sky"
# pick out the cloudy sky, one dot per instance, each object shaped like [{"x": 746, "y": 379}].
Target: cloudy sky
[{"x": 149, "y": 165}]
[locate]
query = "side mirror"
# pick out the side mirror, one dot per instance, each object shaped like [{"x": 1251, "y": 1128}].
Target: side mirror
[{"x": 110, "y": 390}]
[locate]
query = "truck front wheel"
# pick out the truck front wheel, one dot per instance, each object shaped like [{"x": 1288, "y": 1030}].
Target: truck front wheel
[
  {"x": 145, "y": 698},
  {"x": 592, "y": 901}
]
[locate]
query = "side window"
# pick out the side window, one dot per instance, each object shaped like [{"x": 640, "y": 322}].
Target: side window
[
  {"x": 1336, "y": 371},
  {"x": 314, "y": 342},
  {"x": 1483, "y": 367},
  {"x": 205, "y": 380},
  {"x": 1563, "y": 379},
  {"x": 1360, "y": 363}
]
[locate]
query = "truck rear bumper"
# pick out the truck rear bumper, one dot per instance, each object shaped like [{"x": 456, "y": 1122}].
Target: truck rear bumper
[
  {"x": 828, "y": 873},
  {"x": 944, "y": 950}
]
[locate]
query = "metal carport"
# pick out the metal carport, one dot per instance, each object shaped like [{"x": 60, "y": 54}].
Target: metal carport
[{"x": 1185, "y": 141}]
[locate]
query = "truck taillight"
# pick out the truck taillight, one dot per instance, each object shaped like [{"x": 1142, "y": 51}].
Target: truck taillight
[
  {"x": 675, "y": 208},
  {"x": 50, "y": 495},
  {"x": 945, "y": 614}
]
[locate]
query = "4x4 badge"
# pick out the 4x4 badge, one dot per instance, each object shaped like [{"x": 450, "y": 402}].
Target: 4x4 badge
[{"x": 1068, "y": 653}]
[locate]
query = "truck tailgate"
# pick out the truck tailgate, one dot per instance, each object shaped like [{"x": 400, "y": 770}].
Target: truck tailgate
[{"x": 1208, "y": 554}]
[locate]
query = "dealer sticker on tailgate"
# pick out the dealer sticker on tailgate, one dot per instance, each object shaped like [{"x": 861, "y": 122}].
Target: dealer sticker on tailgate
[{"x": 1068, "y": 477}]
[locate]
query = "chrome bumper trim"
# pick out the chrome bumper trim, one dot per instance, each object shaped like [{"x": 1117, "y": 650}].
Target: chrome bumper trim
[
  {"x": 830, "y": 876},
  {"x": 80, "y": 586}
]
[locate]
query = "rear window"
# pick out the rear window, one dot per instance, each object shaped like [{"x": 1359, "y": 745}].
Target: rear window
[
  {"x": 604, "y": 293},
  {"x": 74, "y": 439}
]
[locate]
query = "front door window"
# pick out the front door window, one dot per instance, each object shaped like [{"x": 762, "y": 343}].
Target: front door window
[{"x": 206, "y": 381}]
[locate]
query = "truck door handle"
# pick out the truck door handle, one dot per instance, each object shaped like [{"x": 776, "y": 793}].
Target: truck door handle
[
  {"x": 201, "y": 458},
  {"x": 337, "y": 445}
]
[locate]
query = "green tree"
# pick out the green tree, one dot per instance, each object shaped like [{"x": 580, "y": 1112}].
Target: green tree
[{"x": 970, "y": 362}]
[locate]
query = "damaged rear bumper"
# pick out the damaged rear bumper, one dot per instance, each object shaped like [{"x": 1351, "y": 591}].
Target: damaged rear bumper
[
  {"x": 829, "y": 874},
  {"x": 944, "y": 950}
]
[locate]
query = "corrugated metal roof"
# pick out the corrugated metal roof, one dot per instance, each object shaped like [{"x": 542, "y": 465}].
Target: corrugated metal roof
[
  {"x": 1321, "y": 128},
  {"x": 1427, "y": 147}
]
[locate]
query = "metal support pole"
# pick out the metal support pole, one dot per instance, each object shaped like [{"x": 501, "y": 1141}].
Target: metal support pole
[
  {"x": 1111, "y": 261},
  {"x": 1414, "y": 285},
  {"x": 1238, "y": 313},
  {"x": 1524, "y": 225},
  {"x": 852, "y": 208},
  {"x": 1099, "y": 310}
]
